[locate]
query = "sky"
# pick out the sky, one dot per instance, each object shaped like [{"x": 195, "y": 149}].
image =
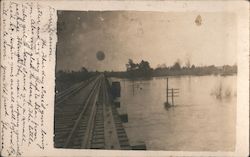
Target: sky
[{"x": 157, "y": 37}]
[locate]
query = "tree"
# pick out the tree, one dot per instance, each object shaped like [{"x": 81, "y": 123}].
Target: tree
[
  {"x": 144, "y": 65},
  {"x": 161, "y": 66},
  {"x": 144, "y": 68},
  {"x": 131, "y": 65},
  {"x": 188, "y": 62},
  {"x": 176, "y": 66}
]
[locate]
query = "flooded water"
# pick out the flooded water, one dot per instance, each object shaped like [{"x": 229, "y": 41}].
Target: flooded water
[{"x": 203, "y": 117}]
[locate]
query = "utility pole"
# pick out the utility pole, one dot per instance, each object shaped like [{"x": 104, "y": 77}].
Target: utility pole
[
  {"x": 167, "y": 90},
  {"x": 172, "y": 96}
]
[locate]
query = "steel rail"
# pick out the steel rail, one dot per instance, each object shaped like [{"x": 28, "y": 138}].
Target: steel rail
[
  {"x": 67, "y": 94},
  {"x": 91, "y": 122},
  {"x": 87, "y": 104}
]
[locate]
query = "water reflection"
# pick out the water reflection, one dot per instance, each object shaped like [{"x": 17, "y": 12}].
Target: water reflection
[{"x": 199, "y": 120}]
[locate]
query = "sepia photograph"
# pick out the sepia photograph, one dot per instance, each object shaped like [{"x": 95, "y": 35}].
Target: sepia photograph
[
  {"x": 145, "y": 80},
  {"x": 124, "y": 78}
]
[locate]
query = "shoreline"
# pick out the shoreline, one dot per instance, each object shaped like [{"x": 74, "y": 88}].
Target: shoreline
[{"x": 178, "y": 75}]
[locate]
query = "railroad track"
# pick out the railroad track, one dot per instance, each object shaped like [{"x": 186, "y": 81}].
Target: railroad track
[
  {"x": 62, "y": 96},
  {"x": 93, "y": 124},
  {"x": 71, "y": 117}
]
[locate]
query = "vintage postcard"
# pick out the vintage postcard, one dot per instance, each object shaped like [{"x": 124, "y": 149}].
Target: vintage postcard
[{"x": 124, "y": 78}]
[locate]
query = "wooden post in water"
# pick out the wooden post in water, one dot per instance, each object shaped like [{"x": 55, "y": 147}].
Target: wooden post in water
[
  {"x": 172, "y": 96},
  {"x": 133, "y": 87},
  {"x": 167, "y": 90}
]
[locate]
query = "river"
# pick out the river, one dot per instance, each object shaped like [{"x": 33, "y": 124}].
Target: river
[{"x": 203, "y": 117}]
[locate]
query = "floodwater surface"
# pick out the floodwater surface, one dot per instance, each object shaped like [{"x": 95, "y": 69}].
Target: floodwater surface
[{"x": 203, "y": 117}]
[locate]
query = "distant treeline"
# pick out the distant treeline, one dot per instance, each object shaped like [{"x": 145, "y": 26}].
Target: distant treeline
[{"x": 142, "y": 69}]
